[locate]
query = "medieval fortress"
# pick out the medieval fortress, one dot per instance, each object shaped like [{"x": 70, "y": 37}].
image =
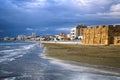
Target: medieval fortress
[{"x": 101, "y": 35}]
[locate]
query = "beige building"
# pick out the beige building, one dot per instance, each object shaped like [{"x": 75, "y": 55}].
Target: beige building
[
  {"x": 104, "y": 35},
  {"x": 63, "y": 36}
]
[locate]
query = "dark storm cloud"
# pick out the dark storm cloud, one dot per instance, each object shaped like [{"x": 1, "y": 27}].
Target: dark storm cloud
[{"x": 18, "y": 15}]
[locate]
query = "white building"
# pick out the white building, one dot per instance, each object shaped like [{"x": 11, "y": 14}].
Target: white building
[
  {"x": 6, "y": 38},
  {"x": 73, "y": 33},
  {"x": 21, "y": 37},
  {"x": 33, "y": 35},
  {"x": 57, "y": 37}
]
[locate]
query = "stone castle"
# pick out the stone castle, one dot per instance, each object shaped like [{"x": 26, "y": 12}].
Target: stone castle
[{"x": 101, "y": 35}]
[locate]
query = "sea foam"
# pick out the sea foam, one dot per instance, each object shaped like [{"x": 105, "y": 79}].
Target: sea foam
[{"x": 12, "y": 54}]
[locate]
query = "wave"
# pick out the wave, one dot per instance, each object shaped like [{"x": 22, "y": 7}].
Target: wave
[
  {"x": 12, "y": 54},
  {"x": 29, "y": 46},
  {"x": 12, "y": 43},
  {"x": 83, "y": 69}
]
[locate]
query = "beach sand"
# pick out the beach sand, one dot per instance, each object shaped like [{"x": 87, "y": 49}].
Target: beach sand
[{"x": 51, "y": 48}]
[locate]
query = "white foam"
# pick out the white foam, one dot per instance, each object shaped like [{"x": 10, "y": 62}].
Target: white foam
[
  {"x": 19, "y": 56},
  {"x": 7, "y": 46},
  {"x": 81, "y": 68},
  {"x": 10, "y": 55},
  {"x": 6, "y": 72},
  {"x": 94, "y": 77},
  {"x": 26, "y": 47},
  {"x": 29, "y": 46},
  {"x": 11, "y": 59},
  {"x": 12, "y": 78},
  {"x": 6, "y": 51}
]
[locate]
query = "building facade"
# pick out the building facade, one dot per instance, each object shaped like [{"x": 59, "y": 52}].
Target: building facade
[
  {"x": 21, "y": 37},
  {"x": 73, "y": 34},
  {"x": 63, "y": 36},
  {"x": 33, "y": 35},
  {"x": 104, "y": 35},
  {"x": 77, "y": 31}
]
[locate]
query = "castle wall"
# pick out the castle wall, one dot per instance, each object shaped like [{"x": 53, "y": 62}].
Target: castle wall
[
  {"x": 103, "y": 35},
  {"x": 84, "y": 36},
  {"x": 92, "y": 35},
  {"x": 117, "y": 40},
  {"x": 116, "y": 35}
]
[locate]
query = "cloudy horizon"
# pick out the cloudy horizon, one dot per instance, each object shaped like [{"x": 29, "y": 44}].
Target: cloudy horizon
[{"x": 54, "y": 16}]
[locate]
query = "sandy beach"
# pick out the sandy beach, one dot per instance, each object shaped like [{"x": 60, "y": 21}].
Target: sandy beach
[{"x": 109, "y": 69}]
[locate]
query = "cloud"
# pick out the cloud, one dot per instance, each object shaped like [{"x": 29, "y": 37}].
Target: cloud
[
  {"x": 34, "y": 4},
  {"x": 63, "y": 29},
  {"x": 110, "y": 15},
  {"x": 57, "y": 9},
  {"x": 29, "y": 3},
  {"x": 29, "y": 29},
  {"x": 115, "y": 8},
  {"x": 44, "y": 29},
  {"x": 114, "y": 12},
  {"x": 36, "y": 29},
  {"x": 68, "y": 4},
  {"x": 46, "y": 15},
  {"x": 84, "y": 3}
]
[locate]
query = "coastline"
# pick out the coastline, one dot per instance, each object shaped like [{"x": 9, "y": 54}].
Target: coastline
[
  {"x": 98, "y": 68},
  {"x": 102, "y": 70}
]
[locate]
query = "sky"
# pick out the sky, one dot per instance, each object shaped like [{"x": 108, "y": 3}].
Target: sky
[{"x": 49, "y": 17}]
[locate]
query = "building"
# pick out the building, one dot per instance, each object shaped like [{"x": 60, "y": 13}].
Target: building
[
  {"x": 103, "y": 35},
  {"x": 33, "y": 35},
  {"x": 21, "y": 37},
  {"x": 76, "y": 32},
  {"x": 63, "y": 36},
  {"x": 68, "y": 36},
  {"x": 57, "y": 37},
  {"x": 6, "y": 38},
  {"x": 12, "y": 39},
  {"x": 73, "y": 34},
  {"x": 9, "y": 39}
]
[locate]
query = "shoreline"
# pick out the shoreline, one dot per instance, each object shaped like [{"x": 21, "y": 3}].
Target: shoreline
[
  {"x": 110, "y": 71},
  {"x": 45, "y": 54},
  {"x": 62, "y": 42}
]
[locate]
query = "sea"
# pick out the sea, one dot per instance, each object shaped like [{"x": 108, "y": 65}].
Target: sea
[{"x": 23, "y": 61}]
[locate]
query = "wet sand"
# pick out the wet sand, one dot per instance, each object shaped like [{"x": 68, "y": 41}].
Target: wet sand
[{"x": 107, "y": 69}]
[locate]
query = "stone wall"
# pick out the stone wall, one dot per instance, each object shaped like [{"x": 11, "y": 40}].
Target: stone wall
[
  {"x": 117, "y": 40},
  {"x": 101, "y": 35}
]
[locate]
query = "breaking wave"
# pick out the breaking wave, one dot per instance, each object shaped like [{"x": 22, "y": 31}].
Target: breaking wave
[{"x": 16, "y": 52}]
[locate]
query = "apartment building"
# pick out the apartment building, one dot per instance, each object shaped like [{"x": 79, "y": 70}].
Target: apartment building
[{"x": 77, "y": 32}]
